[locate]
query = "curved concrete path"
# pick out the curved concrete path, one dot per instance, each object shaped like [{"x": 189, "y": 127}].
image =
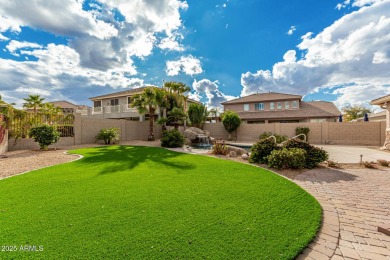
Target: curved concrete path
[{"x": 355, "y": 202}]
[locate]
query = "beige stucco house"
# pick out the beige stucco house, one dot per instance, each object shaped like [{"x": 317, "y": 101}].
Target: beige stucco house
[
  {"x": 118, "y": 106},
  {"x": 274, "y": 107},
  {"x": 384, "y": 102}
]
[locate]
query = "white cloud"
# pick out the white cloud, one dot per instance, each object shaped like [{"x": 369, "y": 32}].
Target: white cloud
[
  {"x": 170, "y": 43},
  {"x": 291, "y": 30},
  {"x": 8, "y": 24},
  {"x": 209, "y": 90},
  {"x": 13, "y": 46},
  {"x": 354, "y": 50},
  {"x": 186, "y": 64}
]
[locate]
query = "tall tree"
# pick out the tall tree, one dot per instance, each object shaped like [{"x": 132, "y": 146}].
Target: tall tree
[
  {"x": 215, "y": 112},
  {"x": 34, "y": 102},
  {"x": 177, "y": 116},
  {"x": 354, "y": 112},
  {"x": 178, "y": 95},
  {"x": 148, "y": 102},
  {"x": 197, "y": 114}
]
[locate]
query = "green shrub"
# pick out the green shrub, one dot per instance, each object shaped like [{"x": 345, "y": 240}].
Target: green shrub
[
  {"x": 45, "y": 135},
  {"x": 279, "y": 138},
  {"x": 261, "y": 150},
  {"x": 314, "y": 155},
  {"x": 108, "y": 135},
  {"x": 293, "y": 158},
  {"x": 219, "y": 149},
  {"x": 302, "y": 130},
  {"x": 172, "y": 139}
]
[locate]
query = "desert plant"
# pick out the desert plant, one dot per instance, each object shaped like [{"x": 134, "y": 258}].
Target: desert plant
[
  {"x": 45, "y": 135},
  {"x": 108, "y": 135},
  {"x": 383, "y": 163},
  {"x": 261, "y": 150},
  {"x": 172, "y": 139},
  {"x": 314, "y": 155},
  {"x": 368, "y": 164},
  {"x": 293, "y": 158},
  {"x": 302, "y": 130},
  {"x": 279, "y": 138},
  {"x": 231, "y": 121},
  {"x": 219, "y": 149}
]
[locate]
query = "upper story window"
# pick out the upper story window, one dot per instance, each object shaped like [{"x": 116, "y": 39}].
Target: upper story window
[
  {"x": 246, "y": 107},
  {"x": 295, "y": 104},
  {"x": 114, "y": 102},
  {"x": 97, "y": 103},
  {"x": 129, "y": 100},
  {"x": 286, "y": 105},
  {"x": 279, "y": 105},
  {"x": 272, "y": 106},
  {"x": 259, "y": 106}
]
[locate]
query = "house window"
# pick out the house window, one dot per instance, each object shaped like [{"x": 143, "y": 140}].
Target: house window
[
  {"x": 259, "y": 106},
  {"x": 114, "y": 105},
  {"x": 286, "y": 105},
  {"x": 129, "y": 102},
  {"x": 272, "y": 106},
  {"x": 97, "y": 103},
  {"x": 246, "y": 107},
  {"x": 279, "y": 105},
  {"x": 295, "y": 104}
]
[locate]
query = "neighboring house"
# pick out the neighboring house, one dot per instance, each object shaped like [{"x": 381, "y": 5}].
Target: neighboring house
[
  {"x": 379, "y": 116},
  {"x": 118, "y": 105},
  {"x": 274, "y": 107},
  {"x": 70, "y": 108}
]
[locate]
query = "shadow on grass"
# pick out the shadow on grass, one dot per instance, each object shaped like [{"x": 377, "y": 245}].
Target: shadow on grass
[
  {"x": 111, "y": 159},
  {"x": 326, "y": 175}
]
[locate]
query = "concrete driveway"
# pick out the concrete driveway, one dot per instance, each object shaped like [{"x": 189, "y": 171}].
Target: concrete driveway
[{"x": 352, "y": 154}]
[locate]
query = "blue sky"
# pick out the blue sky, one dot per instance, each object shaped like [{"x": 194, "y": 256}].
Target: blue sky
[{"x": 324, "y": 50}]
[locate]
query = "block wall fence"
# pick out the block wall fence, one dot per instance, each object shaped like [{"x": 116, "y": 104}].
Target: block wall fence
[{"x": 86, "y": 128}]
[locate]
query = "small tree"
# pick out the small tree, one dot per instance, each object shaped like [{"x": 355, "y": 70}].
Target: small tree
[
  {"x": 108, "y": 135},
  {"x": 231, "y": 121},
  {"x": 176, "y": 116},
  {"x": 354, "y": 112},
  {"x": 197, "y": 114},
  {"x": 302, "y": 130},
  {"x": 45, "y": 135}
]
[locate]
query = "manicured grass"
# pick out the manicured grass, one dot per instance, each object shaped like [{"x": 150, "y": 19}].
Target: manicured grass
[{"x": 122, "y": 202}]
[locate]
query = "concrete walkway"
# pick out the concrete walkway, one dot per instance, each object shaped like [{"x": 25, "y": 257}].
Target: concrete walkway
[
  {"x": 351, "y": 154},
  {"x": 355, "y": 202}
]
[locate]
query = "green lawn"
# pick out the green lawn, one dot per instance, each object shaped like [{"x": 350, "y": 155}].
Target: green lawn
[{"x": 123, "y": 202}]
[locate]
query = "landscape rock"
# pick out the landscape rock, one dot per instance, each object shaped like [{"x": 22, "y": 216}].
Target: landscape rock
[
  {"x": 206, "y": 133},
  {"x": 187, "y": 141},
  {"x": 192, "y": 133},
  {"x": 245, "y": 156},
  {"x": 232, "y": 154},
  {"x": 238, "y": 150}
]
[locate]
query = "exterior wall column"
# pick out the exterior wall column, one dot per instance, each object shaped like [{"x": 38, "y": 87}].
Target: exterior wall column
[
  {"x": 386, "y": 145},
  {"x": 141, "y": 117},
  {"x": 77, "y": 128}
]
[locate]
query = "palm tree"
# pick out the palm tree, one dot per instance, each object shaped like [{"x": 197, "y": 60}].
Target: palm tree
[
  {"x": 177, "y": 115},
  {"x": 33, "y": 101},
  {"x": 215, "y": 112},
  {"x": 178, "y": 91},
  {"x": 148, "y": 101}
]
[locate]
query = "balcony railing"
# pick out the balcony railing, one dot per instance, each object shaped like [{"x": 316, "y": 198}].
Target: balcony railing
[
  {"x": 114, "y": 109},
  {"x": 97, "y": 110}
]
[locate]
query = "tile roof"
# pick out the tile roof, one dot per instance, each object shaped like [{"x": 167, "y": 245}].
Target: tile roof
[
  {"x": 314, "y": 109},
  {"x": 130, "y": 92},
  {"x": 66, "y": 104},
  {"x": 270, "y": 96}
]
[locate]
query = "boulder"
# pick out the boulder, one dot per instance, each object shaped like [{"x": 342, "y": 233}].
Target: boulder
[
  {"x": 206, "y": 133},
  {"x": 187, "y": 141},
  {"x": 232, "y": 154},
  {"x": 212, "y": 140},
  {"x": 192, "y": 133},
  {"x": 245, "y": 156},
  {"x": 238, "y": 150}
]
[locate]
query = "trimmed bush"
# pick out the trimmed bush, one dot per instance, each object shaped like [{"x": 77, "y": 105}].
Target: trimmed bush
[
  {"x": 108, "y": 135},
  {"x": 384, "y": 163},
  {"x": 231, "y": 121},
  {"x": 279, "y": 138},
  {"x": 302, "y": 130},
  {"x": 45, "y": 135},
  {"x": 261, "y": 150},
  {"x": 287, "y": 158},
  {"x": 314, "y": 155},
  {"x": 172, "y": 139},
  {"x": 219, "y": 149}
]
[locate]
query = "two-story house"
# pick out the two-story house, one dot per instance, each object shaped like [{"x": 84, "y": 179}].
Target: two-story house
[
  {"x": 118, "y": 105},
  {"x": 274, "y": 107}
]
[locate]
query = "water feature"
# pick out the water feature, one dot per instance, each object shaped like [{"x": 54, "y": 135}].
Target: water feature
[{"x": 203, "y": 142}]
